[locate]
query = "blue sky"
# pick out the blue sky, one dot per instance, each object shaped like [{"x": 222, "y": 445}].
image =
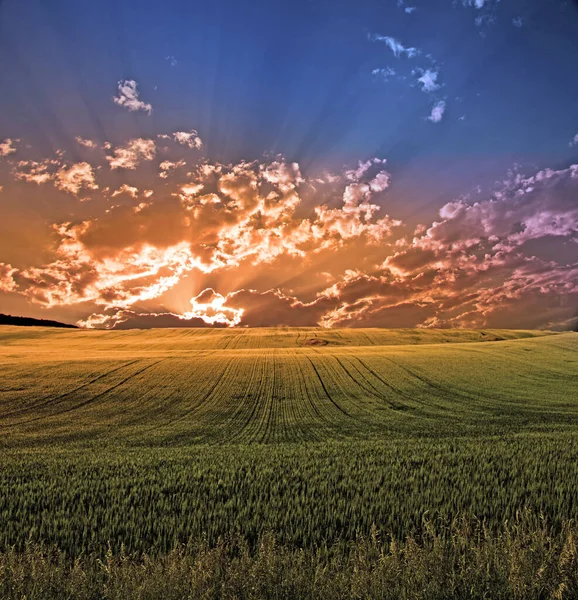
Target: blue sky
[
  {"x": 459, "y": 96},
  {"x": 297, "y": 78}
]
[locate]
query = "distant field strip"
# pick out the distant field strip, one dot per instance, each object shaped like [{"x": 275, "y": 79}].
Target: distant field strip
[{"x": 274, "y": 385}]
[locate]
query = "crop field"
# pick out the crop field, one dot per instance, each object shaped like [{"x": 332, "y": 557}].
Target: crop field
[
  {"x": 191, "y": 387},
  {"x": 141, "y": 441}
]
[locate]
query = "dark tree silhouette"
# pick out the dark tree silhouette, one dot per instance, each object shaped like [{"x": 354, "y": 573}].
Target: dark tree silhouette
[{"x": 28, "y": 322}]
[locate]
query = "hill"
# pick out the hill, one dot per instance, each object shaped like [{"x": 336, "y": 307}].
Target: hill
[{"x": 30, "y": 322}]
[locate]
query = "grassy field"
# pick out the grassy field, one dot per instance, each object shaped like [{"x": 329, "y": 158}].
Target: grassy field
[
  {"x": 191, "y": 387},
  {"x": 141, "y": 442}
]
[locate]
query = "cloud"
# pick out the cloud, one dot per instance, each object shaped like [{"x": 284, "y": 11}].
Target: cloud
[
  {"x": 135, "y": 273},
  {"x": 70, "y": 178},
  {"x": 207, "y": 308},
  {"x": 251, "y": 243},
  {"x": 437, "y": 112},
  {"x": 85, "y": 143},
  {"x": 141, "y": 206},
  {"x": 385, "y": 74},
  {"x": 130, "y": 156},
  {"x": 407, "y": 9},
  {"x": 362, "y": 168},
  {"x": 75, "y": 177},
  {"x": 167, "y": 166},
  {"x": 210, "y": 307},
  {"x": 132, "y": 255},
  {"x": 395, "y": 46},
  {"x": 188, "y": 138},
  {"x": 518, "y": 22},
  {"x": 574, "y": 141},
  {"x": 128, "y": 96},
  {"x": 486, "y": 11},
  {"x": 7, "y": 283},
  {"x": 36, "y": 171},
  {"x": 428, "y": 80},
  {"x": 171, "y": 60},
  {"x": 245, "y": 308},
  {"x": 273, "y": 308},
  {"x": 380, "y": 182},
  {"x": 479, "y": 259},
  {"x": 471, "y": 268},
  {"x": 125, "y": 189},
  {"x": 7, "y": 147}
]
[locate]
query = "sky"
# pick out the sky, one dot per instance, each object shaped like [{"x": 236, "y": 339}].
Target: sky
[{"x": 390, "y": 163}]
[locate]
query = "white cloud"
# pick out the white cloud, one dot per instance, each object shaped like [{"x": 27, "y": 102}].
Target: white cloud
[
  {"x": 7, "y": 147},
  {"x": 380, "y": 182},
  {"x": 128, "y": 96},
  {"x": 129, "y": 156},
  {"x": 437, "y": 112},
  {"x": 85, "y": 143},
  {"x": 407, "y": 9},
  {"x": 574, "y": 141},
  {"x": 429, "y": 81},
  {"x": 210, "y": 307},
  {"x": 188, "y": 138},
  {"x": 518, "y": 22},
  {"x": 396, "y": 46},
  {"x": 386, "y": 74},
  {"x": 362, "y": 168}
]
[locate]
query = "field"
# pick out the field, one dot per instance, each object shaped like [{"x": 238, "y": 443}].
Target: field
[{"x": 328, "y": 442}]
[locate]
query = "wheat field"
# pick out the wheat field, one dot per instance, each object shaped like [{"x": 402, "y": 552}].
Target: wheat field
[
  {"x": 183, "y": 387},
  {"x": 138, "y": 443}
]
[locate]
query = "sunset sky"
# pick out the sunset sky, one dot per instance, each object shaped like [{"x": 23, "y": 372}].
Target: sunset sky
[{"x": 322, "y": 162}]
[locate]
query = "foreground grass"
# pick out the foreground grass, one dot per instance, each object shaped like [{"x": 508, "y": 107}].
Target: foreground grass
[
  {"x": 307, "y": 495},
  {"x": 525, "y": 561}
]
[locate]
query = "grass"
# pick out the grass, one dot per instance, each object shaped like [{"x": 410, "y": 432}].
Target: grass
[
  {"x": 526, "y": 561},
  {"x": 161, "y": 449}
]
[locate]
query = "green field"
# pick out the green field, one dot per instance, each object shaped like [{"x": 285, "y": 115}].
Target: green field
[
  {"x": 141, "y": 441},
  {"x": 192, "y": 387}
]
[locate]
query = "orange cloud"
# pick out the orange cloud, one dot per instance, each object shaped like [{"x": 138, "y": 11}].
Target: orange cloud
[
  {"x": 252, "y": 243},
  {"x": 7, "y": 147},
  {"x": 71, "y": 178}
]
